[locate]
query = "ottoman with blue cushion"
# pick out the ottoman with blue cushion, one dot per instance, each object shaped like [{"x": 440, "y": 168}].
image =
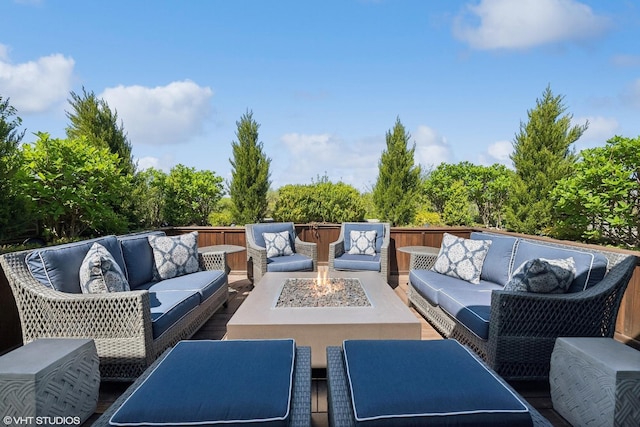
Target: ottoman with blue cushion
[
  {"x": 225, "y": 383},
  {"x": 416, "y": 383}
]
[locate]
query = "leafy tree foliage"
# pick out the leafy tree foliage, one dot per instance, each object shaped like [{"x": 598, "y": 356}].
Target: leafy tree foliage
[
  {"x": 542, "y": 155},
  {"x": 250, "y": 173},
  {"x": 456, "y": 209},
  {"x": 149, "y": 198},
  {"x": 396, "y": 188},
  {"x": 487, "y": 189},
  {"x": 11, "y": 202},
  {"x": 322, "y": 201},
  {"x": 223, "y": 215},
  {"x": 73, "y": 185},
  {"x": 190, "y": 196},
  {"x": 600, "y": 200},
  {"x": 92, "y": 118}
]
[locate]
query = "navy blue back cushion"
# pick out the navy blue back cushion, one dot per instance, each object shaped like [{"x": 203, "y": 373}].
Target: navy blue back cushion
[
  {"x": 364, "y": 226},
  {"x": 396, "y": 382},
  {"x": 215, "y": 382},
  {"x": 273, "y": 227},
  {"x": 138, "y": 257},
  {"x": 58, "y": 267},
  {"x": 497, "y": 264}
]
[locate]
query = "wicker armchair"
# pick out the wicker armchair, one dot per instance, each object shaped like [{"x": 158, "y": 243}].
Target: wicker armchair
[
  {"x": 524, "y": 326},
  {"x": 338, "y": 250},
  {"x": 305, "y": 257},
  {"x": 119, "y": 323}
]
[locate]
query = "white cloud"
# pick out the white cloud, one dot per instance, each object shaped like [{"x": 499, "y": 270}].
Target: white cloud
[
  {"x": 170, "y": 114},
  {"x": 314, "y": 154},
  {"x": 35, "y": 86},
  {"x": 431, "y": 148},
  {"x": 509, "y": 24},
  {"x": 599, "y": 131},
  {"x": 164, "y": 164},
  {"x": 498, "y": 152}
]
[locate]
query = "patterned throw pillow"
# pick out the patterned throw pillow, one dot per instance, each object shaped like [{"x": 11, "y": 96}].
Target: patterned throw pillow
[
  {"x": 546, "y": 276},
  {"x": 461, "y": 258},
  {"x": 175, "y": 255},
  {"x": 100, "y": 273},
  {"x": 363, "y": 242},
  {"x": 277, "y": 244}
]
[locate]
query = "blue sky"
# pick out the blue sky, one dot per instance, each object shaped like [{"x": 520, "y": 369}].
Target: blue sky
[{"x": 325, "y": 79}]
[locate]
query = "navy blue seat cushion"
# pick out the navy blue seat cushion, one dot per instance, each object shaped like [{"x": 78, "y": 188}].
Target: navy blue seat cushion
[
  {"x": 363, "y": 226},
  {"x": 58, "y": 267},
  {"x": 427, "y": 383},
  {"x": 497, "y": 263},
  {"x": 428, "y": 283},
  {"x": 138, "y": 257},
  {"x": 205, "y": 283},
  {"x": 215, "y": 382},
  {"x": 470, "y": 305},
  {"x": 590, "y": 267},
  {"x": 167, "y": 307},
  {"x": 273, "y": 227},
  {"x": 357, "y": 262},
  {"x": 295, "y": 262}
]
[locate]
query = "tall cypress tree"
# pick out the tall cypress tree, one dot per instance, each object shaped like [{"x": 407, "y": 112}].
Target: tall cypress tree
[
  {"x": 394, "y": 193},
  {"x": 542, "y": 155},
  {"x": 92, "y": 118},
  {"x": 250, "y": 173}
]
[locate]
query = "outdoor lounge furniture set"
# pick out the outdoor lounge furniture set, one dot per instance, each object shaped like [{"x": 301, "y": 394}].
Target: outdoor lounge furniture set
[
  {"x": 507, "y": 314},
  {"x": 138, "y": 295}
]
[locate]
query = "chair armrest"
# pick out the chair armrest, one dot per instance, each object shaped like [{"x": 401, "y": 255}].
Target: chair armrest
[
  {"x": 309, "y": 249},
  {"x": 258, "y": 258}
]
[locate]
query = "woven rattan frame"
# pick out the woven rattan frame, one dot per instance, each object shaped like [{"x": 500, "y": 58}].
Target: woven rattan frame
[
  {"x": 524, "y": 326},
  {"x": 339, "y": 397},
  {"x": 119, "y": 323},
  {"x": 300, "y": 411},
  {"x": 336, "y": 249},
  {"x": 257, "y": 255}
]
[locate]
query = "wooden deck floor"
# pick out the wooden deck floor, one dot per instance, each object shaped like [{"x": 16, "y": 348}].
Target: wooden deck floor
[{"x": 537, "y": 394}]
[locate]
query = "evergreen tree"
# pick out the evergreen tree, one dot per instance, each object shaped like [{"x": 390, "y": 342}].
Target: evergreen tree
[
  {"x": 542, "y": 155},
  {"x": 396, "y": 188},
  {"x": 250, "y": 173},
  {"x": 92, "y": 118}
]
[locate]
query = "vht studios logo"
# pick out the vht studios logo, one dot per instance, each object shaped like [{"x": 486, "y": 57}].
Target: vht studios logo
[{"x": 39, "y": 421}]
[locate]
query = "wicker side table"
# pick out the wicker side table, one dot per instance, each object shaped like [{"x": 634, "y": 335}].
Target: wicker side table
[
  {"x": 48, "y": 379},
  {"x": 595, "y": 381}
]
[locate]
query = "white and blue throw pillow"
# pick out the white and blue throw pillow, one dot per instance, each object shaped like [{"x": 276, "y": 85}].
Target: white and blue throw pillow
[
  {"x": 277, "y": 244},
  {"x": 362, "y": 242},
  {"x": 175, "y": 255},
  {"x": 100, "y": 273},
  {"x": 461, "y": 258},
  {"x": 540, "y": 275}
]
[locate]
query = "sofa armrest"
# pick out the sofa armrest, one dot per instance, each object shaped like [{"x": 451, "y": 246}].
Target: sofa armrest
[{"x": 592, "y": 312}]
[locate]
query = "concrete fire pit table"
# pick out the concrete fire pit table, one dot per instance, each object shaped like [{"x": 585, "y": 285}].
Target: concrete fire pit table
[{"x": 321, "y": 311}]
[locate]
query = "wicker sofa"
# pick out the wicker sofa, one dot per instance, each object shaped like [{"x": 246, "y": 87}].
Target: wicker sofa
[
  {"x": 514, "y": 332},
  {"x": 130, "y": 328}
]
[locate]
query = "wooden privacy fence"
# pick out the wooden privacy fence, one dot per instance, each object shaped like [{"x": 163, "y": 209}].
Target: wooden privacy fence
[{"x": 627, "y": 326}]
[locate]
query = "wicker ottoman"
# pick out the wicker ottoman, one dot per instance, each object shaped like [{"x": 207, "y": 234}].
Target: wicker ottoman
[
  {"x": 49, "y": 382},
  {"x": 595, "y": 381}
]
